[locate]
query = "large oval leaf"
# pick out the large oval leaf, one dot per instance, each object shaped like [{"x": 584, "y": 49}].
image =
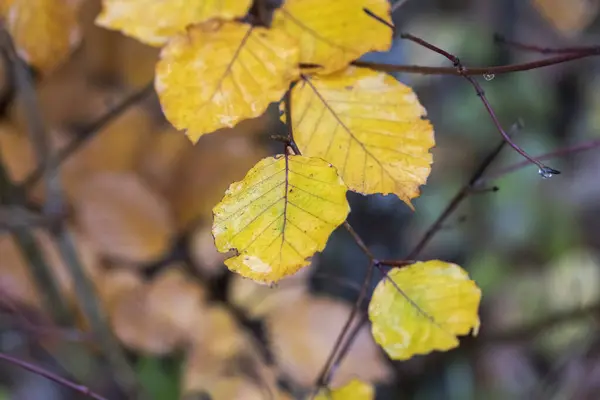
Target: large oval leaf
[
  {"x": 332, "y": 33},
  {"x": 154, "y": 21},
  {"x": 279, "y": 215},
  {"x": 369, "y": 126},
  {"x": 423, "y": 307},
  {"x": 219, "y": 73}
]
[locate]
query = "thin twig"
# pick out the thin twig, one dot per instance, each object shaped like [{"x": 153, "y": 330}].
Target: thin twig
[
  {"x": 347, "y": 346},
  {"x": 84, "y": 390},
  {"x": 543, "y": 170},
  {"x": 455, "y": 202},
  {"x": 578, "y": 148},
  {"x": 499, "y": 39},
  {"x": 90, "y": 131},
  {"x": 324, "y": 375},
  {"x": 86, "y": 294},
  {"x": 480, "y": 71}
]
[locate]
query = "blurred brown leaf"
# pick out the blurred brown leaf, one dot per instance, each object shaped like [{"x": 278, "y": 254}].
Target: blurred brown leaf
[
  {"x": 303, "y": 333},
  {"x": 124, "y": 218},
  {"x": 568, "y": 16},
  {"x": 217, "y": 160},
  {"x": 204, "y": 253},
  {"x": 158, "y": 316}
]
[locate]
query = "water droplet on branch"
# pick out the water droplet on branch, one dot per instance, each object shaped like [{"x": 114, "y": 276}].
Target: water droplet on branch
[
  {"x": 488, "y": 77},
  {"x": 547, "y": 172}
]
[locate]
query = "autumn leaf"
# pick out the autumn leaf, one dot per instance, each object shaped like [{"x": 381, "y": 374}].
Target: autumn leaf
[
  {"x": 154, "y": 21},
  {"x": 279, "y": 215},
  {"x": 369, "y": 126},
  {"x": 335, "y": 32},
  {"x": 220, "y": 73},
  {"x": 125, "y": 219},
  {"x": 302, "y": 333},
  {"x": 568, "y": 16},
  {"x": 425, "y": 308},
  {"x": 44, "y": 31},
  {"x": 354, "y": 390}
]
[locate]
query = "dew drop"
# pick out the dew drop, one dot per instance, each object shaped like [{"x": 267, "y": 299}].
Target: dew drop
[
  {"x": 547, "y": 172},
  {"x": 488, "y": 77}
]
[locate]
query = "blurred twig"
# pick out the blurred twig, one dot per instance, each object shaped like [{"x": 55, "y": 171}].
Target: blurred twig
[
  {"x": 84, "y": 390},
  {"x": 122, "y": 371},
  {"x": 530, "y": 331},
  {"x": 90, "y": 131}
]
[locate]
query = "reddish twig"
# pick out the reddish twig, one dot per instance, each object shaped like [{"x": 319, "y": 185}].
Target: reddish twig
[
  {"x": 455, "y": 202},
  {"x": 578, "y": 148},
  {"x": 84, "y": 390},
  {"x": 325, "y": 375},
  {"x": 543, "y": 170}
]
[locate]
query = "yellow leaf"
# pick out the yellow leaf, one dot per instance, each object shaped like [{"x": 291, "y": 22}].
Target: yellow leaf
[
  {"x": 44, "y": 31},
  {"x": 568, "y": 16},
  {"x": 369, "y": 126},
  {"x": 354, "y": 390},
  {"x": 425, "y": 309},
  {"x": 279, "y": 215},
  {"x": 219, "y": 73},
  {"x": 154, "y": 21},
  {"x": 333, "y": 33}
]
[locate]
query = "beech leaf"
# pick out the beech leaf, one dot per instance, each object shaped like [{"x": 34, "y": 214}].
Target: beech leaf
[
  {"x": 426, "y": 307},
  {"x": 279, "y": 215}
]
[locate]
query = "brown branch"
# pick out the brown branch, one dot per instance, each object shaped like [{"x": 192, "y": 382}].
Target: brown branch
[
  {"x": 48, "y": 168},
  {"x": 543, "y": 170},
  {"x": 455, "y": 202},
  {"x": 499, "y": 39},
  {"x": 90, "y": 131},
  {"x": 497, "y": 70},
  {"x": 578, "y": 148},
  {"x": 84, "y": 390}
]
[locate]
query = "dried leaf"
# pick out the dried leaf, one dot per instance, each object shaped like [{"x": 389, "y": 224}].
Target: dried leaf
[
  {"x": 205, "y": 173},
  {"x": 204, "y": 253},
  {"x": 335, "y": 32},
  {"x": 124, "y": 219},
  {"x": 243, "y": 69},
  {"x": 425, "y": 309},
  {"x": 44, "y": 31},
  {"x": 279, "y": 215},
  {"x": 159, "y": 316},
  {"x": 568, "y": 16},
  {"x": 303, "y": 333},
  {"x": 155, "y": 21},
  {"x": 369, "y": 126}
]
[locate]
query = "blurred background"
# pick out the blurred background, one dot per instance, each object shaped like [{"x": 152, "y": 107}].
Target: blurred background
[{"x": 140, "y": 196}]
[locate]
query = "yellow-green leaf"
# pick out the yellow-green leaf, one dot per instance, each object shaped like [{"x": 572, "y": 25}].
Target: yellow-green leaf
[
  {"x": 369, "y": 126},
  {"x": 353, "y": 390},
  {"x": 44, "y": 31},
  {"x": 425, "y": 308},
  {"x": 279, "y": 215},
  {"x": 332, "y": 33},
  {"x": 154, "y": 21},
  {"x": 219, "y": 73}
]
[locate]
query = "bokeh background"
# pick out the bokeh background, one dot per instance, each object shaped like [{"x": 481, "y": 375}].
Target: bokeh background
[{"x": 140, "y": 197}]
